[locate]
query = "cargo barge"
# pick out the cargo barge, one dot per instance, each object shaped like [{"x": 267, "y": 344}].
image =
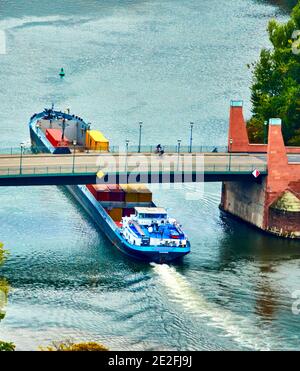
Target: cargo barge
[{"x": 126, "y": 213}]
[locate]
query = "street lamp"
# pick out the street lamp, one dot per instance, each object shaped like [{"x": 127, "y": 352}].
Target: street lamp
[
  {"x": 22, "y": 145},
  {"x": 191, "y": 136},
  {"x": 178, "y": 150},
  {"x": 265, "y": 132},
  {"x": 140, "y": 137},
  {"x": 126, "y": 160},
  {"x": 74, "y": 154},
  {"x": 231, "y": 142}
]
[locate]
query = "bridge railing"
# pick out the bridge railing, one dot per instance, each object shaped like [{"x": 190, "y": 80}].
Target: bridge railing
[
  {"x": 93, "y": 169},
  {"x": 174, "y": 148},
  {"x": 168, "y": 148}
]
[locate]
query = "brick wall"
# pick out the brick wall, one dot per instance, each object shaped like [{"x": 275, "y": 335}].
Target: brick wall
[{"x": 252, "y": 202}]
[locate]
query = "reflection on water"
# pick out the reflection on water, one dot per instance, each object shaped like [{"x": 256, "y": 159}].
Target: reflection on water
[
  {"x": 126, "y": 62},
  {"x": 266, "y": 297}
]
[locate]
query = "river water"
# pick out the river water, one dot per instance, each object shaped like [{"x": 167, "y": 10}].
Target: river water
[{"x": 166, "y": 63}]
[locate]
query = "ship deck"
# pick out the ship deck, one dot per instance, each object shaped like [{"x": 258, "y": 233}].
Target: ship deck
[{"x": 167, "y": 231}]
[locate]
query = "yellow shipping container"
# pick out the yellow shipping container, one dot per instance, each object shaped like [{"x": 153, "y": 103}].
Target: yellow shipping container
[
  {"x": 131, "y": 192},
  {"x": 136, "y": 193},
  {"x": 96, "y": 141},
  {"x": 145, "y": 195},
  {"x": 116, "y": 214}
]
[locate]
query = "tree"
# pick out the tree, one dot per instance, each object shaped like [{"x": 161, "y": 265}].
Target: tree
[
  {"x": 4, "y": 288},
  {"x": 69, "y": 346},
  {"x": 3, "y": 254},
  {"x": 7, "y": 347},
  {"x": 276, "y": 82}
]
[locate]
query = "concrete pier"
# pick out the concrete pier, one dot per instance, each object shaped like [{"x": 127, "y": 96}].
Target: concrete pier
[{"x": 274, "y": 204}]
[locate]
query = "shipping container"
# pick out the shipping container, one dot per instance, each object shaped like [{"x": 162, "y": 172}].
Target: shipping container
[
  {"x": 128, "y": 212},
  {"x": 116, "y": 214},
  {"x": 116, "y": 193},
  {"x": 99, "y": 191},
  {"x": 131, "y": 193},
  {"x": 136, "y": 193},
  {"x": 96, "y": 141},
  {"x": 55, "y": 138},
  {"x": 145, "y": 195}
]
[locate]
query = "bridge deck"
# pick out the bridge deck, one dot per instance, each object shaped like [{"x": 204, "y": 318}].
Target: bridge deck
[{"x": 37, "y": 169}]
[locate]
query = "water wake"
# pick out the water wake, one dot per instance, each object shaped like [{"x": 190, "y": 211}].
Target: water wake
[{"x": 238, "y": 327}]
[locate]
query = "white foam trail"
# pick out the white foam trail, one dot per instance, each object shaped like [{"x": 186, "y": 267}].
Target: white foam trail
[
  {"x": 11, "y": 23},
  {"x": 235, "y": 326}
]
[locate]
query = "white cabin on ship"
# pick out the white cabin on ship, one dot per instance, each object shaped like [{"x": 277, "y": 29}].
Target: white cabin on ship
[{"x": 151, "y": 226}]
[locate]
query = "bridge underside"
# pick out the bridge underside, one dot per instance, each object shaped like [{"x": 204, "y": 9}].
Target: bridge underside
[{"x": 155, "y": 178}]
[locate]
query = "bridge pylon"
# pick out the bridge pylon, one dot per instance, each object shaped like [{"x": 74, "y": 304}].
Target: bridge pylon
[{"x": 272, "y": 205}]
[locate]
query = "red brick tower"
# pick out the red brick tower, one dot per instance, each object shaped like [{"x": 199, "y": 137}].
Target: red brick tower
[
  {"x": 273, "y": 205},
  {"x": 282, "y": 203}
]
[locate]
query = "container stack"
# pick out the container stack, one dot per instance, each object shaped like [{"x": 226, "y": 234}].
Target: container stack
[
  {"x": 136, "y": 193},
  {"x": 96, "y": 141},
  {"x": 100, "y": 192},
  {"x": 56, "y": 138},
  {"x": 120, "y": 200},
  {"x": 116, "y": 193}
]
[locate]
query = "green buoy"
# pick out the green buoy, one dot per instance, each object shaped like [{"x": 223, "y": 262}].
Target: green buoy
[{"x": 62, "y": 73}]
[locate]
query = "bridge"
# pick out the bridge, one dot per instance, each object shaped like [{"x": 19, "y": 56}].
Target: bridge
[
  {"x": 89, "y": 168},
  {"x": 269, "y": 201}
]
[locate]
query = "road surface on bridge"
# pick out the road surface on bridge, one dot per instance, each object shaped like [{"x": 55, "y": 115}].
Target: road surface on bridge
[
  {"x": 87, "y": 168},
  {"x": 109, "y": 162}
]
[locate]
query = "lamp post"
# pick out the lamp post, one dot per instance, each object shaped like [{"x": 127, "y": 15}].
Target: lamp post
[
  {"x": 140, "y": 136},
  {"x": 74, "y": 154},
  {"x": 191, "y": 136},
  {"x": 230, "y": 158},
  {"x": 265, "y": 132},
  {"x": 126, "y": 160},
  {"x": 22, "y": 145},
  {"x": 178, "y": 151}
]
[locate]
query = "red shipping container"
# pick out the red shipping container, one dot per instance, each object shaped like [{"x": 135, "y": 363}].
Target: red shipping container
[
  {"x": 55, "y": 138},
  {"x": 99, "y": 191},
  {"x": 128, "y": 212},
  {"x": 116, "y": 193}
]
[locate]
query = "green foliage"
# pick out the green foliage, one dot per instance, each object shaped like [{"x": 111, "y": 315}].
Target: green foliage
[
  {"x": 4, "y": 289},
  {"x": 276, "y": 82},
  {"x": 7, "y": 347},
  {"x": 3, "y": 254},
  {"x": 69, "y": 346}
]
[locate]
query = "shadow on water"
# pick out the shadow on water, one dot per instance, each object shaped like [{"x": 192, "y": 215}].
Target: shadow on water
[
  {"x": 242, "y": 241},
  {"x": 286, "y": 4}
]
